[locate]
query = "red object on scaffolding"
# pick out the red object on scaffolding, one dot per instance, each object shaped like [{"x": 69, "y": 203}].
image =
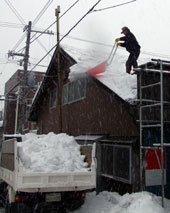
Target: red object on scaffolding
[
  {"x": 152, "y": 161},
  {"x": 98, "y": 69}
]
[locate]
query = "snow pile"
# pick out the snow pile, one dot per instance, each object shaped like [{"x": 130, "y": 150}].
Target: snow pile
[
  {"x": 112, "y": 202},
  {"x": 50, "y": 153}
]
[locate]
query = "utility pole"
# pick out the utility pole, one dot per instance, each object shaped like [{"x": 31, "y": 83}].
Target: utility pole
[
  {"x": 26, "y": 54},
  {"x": 16, "y": 113},
  {"x": 23, "y": 87},
  {"x": 26, "y": 57},
  {"x": 59, "y": 73},
  {"x": 27, "y": 28}
]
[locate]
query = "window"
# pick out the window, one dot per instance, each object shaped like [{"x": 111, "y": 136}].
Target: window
[
  {"x": 74, "y": 91},
  {"x": 116, "y": 162},
  {"x": 65, "y": 94},
  {"x": 31, "y": 79},
  {"x": 71, "y": 91},
  {"x": 53, "y": 98}
]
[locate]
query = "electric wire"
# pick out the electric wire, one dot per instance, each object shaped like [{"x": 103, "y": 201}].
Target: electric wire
[
  {"x": 118, "y": 5},
  {"x": 11, "y": 25},
  {"x": 42, "y": 45},
  {"x": 20, "y": 19},
  {"x": 52, "y": 24},
  {"x": 18, "y": 43},
  {"x": 106, "y": 45},
  {"x": 80, "y": 39},
  {"x": 35, "y": 21},
  {"x": 89, "y": 11},
  {"x": 40, "y": 65},
  {"x": 88, "y": 41},
  {"x": 56, "y": 21},
  {"x": 42, "y": 12},
  {"x": 110, "y": 45},
  {"x": 15, "y": 12}
]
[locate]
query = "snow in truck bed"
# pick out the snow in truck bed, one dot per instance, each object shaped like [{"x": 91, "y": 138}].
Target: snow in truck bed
[{"x": 50, "y": 153}]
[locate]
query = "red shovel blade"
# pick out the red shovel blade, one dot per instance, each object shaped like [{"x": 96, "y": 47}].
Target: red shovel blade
[{"x": 98, "y": 69}]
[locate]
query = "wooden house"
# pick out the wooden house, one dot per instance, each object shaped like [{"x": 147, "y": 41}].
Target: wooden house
[{"x": 92, "y": 113}]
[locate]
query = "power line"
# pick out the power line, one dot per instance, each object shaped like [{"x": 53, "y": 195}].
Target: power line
[
  {"x": 15, "y": 12},
  {"x": 88, "y": 41},
  {"x": 42, "y": 11},
  {"x": 23, "y": 22},
  {"x": 118, "y": 5},
  {"x": 110, "y": 45},
  {"x": 13, "y": 25},
  {"x": 89, "y": 11},
  {"x": 42, "y": 46},
  {"x": 20, "y": 19},
  {"x": 55, "y": 21},
  {"x": 40, "y": 65},
  {"x": 23, "y": 36},
  {"x": 97, "y": 43},
  {"x": 39, "y": 16},
  {"x": 49, "y": 26},
  {"x": 19, "y": 42}
]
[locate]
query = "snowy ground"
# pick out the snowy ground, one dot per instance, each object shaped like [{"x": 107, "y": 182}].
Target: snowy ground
[{"x": 112, "y": 202}]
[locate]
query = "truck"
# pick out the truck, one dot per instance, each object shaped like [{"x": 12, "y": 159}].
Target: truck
[{"x": 22, "y": 191}]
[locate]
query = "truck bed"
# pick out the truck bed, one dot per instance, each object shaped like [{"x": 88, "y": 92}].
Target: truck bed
[{"x": 14, "y": 175}]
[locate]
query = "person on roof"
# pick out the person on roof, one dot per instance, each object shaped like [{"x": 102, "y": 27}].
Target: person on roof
[{"x": 132, "y": 46}]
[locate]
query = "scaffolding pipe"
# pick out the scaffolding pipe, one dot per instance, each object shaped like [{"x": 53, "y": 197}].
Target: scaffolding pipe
[
  {"x": 162, "y": 133},
  {"x": 161, "y": 125},
  {"x": 150, "y": 70},
  {"x": 140, "y": 115}
]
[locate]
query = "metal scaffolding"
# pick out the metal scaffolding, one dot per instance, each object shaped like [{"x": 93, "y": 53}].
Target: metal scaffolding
[{"x": 150, "y": 124}]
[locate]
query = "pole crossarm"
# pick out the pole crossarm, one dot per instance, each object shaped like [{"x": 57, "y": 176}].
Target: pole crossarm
[{"x": 44, "y": 32}]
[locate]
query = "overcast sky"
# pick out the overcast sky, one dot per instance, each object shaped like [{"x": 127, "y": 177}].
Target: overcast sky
[{"x": 148, "y": 20}]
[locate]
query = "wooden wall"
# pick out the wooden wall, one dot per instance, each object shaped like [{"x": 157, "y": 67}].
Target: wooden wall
[{"x": 101, "y": 112}]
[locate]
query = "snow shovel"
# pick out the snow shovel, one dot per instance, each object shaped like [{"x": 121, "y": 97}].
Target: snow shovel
[
  {"x": 112, "y": 54},
  {"x": 98, "y": 69},
  {"x": 102, "y": 67}
]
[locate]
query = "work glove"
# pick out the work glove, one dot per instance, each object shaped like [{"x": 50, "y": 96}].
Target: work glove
[
  {"x": 117, "y": 39},
  {"x": 118, "y": 44}
]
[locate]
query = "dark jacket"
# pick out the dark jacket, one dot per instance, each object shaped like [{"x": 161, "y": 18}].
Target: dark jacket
[{"x": 130, "y": 43}]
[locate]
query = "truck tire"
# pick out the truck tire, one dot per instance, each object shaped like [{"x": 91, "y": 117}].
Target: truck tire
[
  {"x": 74, "y": 204},
  {"x": 43, "y": 208}
]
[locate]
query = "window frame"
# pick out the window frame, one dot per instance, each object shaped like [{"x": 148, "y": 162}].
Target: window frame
[
  {"x": 72, "y": 85},
  {"x": 65, "y": 94},
  {"x": 113, "y": 176},
  {"x": 55, "y": 102}
]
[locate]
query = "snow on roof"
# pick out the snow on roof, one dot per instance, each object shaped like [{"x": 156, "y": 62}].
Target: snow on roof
[
  {"x": 115, "y": 77},
  {"x": 88, "y": 137},
  {"x": 50, "y": 153}
]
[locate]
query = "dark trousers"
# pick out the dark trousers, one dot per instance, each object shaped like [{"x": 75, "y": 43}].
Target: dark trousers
[{"x": 132, "y": 61}]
